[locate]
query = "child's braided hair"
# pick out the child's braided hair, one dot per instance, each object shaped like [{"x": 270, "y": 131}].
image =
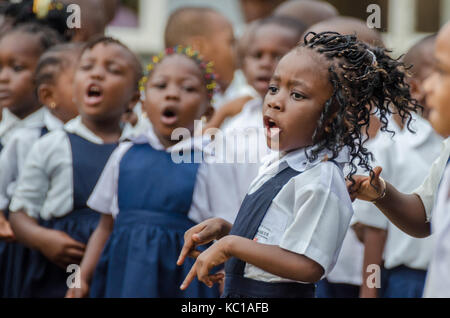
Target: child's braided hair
[{"x": 366, "y": 81}]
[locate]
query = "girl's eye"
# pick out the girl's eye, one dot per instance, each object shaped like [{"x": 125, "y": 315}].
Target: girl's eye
[
  {"x": 18, "y": 68},
  {"x": 190, "y": 89},
  {"x": 297, "y": 96},
  {"x": 86, "y": 67},
  {"x": 273, "y": 90},
  {"x": 115, "y": 70},
  {"x": 159, "y": 85}
]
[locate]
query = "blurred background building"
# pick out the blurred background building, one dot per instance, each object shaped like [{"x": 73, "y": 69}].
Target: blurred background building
[{"x": 141, "y": 23}]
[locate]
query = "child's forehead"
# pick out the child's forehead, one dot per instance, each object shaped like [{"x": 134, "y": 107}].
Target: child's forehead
[
  {"x": 178, "y": 64},
  {"x": 302, "y": 62},
  {"x": 28, "y": 45},
  {"x": 115, "y": 50}
]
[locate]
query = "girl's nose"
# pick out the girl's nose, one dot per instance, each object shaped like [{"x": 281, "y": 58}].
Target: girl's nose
[
  {"x": 274, "y": 102},
  {"x": 4, "y": 75},
  {"x": 97, "y": 73},
  {"x": 172, "y": 92}
]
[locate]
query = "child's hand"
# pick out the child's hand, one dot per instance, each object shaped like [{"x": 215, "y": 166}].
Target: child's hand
[
  {"x": 82, "y": 292},
  {"x": 363, "y": 189},
  {"x": 6, "y": 232},
  {"x": 202, "y": 234},
  {"x": 61, "y": 249},
  {"x": 216, "y": 255}
]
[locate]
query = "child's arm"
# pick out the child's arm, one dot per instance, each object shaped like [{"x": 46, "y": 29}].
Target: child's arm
[
  {"x": 406, "y": 211},
  {"x": 228, "y": 110},
  {"x": 270, "y": 258},
  {"x": 374, "y": 241},
  {"x": 57, "y": 246},
  {"x": 6, "y": 232},
  {"x": 93, "y": 252}
]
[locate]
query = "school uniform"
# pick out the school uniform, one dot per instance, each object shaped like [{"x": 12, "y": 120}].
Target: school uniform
[
  {"x": 12, "y": 160},
  {"x": 59, "y": 174},
  {"x": 406, "y": 162},
  {"x": 301, "y": 206},
  {"x": 154, "y": 201},
  {"x": 345, "y": 280},
  {"x": 11, "y": 123},
  {"x": 438, "y": 279},
  {"x": 9, "y": 126},
  {"x": 245, "y": 136}
]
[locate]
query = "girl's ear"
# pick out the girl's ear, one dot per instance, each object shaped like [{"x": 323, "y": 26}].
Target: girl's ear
[
  {"x": 46, "y": 94},
  {"x": 134, "y": 100}
]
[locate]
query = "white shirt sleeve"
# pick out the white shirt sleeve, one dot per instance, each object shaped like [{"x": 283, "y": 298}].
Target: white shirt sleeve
[
  {"x": 32, "y": 185},
  {"x": 320, "y": 222},
  {"x": 104, "y": 198},
  {"x": 215, "y": 193},
  {"x": 427, "y": 191},
  {"x": 8, "y": 172}
]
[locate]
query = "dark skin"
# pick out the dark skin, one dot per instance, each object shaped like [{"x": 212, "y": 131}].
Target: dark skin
[
  {"x": 59, "y": 92},
  {"x": 298, "y": 90},
  {"x": 268, "y": 45},
  {"x": 176, "y": 84},
  {"x": 19, "y": 54},
  {"x": 110, "y": 66},
  {"x": 177, "y": 88}
]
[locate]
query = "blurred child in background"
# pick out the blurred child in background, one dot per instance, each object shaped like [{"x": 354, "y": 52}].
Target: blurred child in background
[
  {"x": 49, "y": 211},
  {"x": 20, "y": 50},
  {"x": 147, "y": 200}
]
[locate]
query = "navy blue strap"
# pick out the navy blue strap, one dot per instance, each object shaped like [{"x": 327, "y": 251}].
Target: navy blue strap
[
  {"x": 252, "y": 212},
  {"x": 88, "y": 160},
  {"x": 44, "y": 131}
]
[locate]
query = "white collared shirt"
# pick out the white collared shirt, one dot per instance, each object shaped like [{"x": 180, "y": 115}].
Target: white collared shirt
[
  {"x": 215, "y": 193},
  {"x": 406, "y": 162},
  {"x": 438, "y": 278},
  {"x": 249, "y": 143},
  {"x": 45, "y": 184},
  {"x": 310, "y": 215},
  {"x": 14, "y": 154},
  {"x": 10, "y": 123},
  {"x": 427, "y": 191}
]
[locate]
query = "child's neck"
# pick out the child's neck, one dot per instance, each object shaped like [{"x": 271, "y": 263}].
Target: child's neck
[
  {"x": 110, "y": 132},
  {"x": 22, "y": 114}
]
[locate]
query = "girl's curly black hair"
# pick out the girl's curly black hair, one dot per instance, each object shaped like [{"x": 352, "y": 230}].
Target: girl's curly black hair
[{"x": 366, "y": 81}]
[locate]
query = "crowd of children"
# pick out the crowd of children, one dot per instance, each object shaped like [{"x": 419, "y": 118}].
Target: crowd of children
[{"x": 351, "y": 171}]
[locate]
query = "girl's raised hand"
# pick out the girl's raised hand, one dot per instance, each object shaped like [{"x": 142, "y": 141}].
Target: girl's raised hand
[
  {"x": 364, "y": 190},
  {"x": 61, "y": 249},
  {"x": 201, "y": 234},
  {"x": 216, "y": 255}
]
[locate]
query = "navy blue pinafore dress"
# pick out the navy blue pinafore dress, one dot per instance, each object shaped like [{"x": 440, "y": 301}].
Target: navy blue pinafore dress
[
  {"x": 13, "y": 261},
  {"x": 45, "y": 279},
  {"x": 250, "y": 216},
  {"x": 139, "y": 260}
]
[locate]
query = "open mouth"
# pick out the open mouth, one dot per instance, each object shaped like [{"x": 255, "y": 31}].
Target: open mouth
[
  {"x": 272, "y": 128},
  {"x": 169, "y": 116},
  {"x": 94, "y": 94}
]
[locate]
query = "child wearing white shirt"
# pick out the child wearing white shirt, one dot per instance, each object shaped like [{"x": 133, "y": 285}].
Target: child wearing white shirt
[
  {"x": 412, "y": 213},
  {"x": 20, "y": 49},
  {"x": 320, "y": 95},
  {"x": 48, "y": 210},
  {"x": 148, "y": 199}
]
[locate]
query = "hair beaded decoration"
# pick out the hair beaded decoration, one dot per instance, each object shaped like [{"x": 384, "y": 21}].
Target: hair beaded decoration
[
  {"x": 41, "y": 8},
  {"x": 206, "y": 67}
]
